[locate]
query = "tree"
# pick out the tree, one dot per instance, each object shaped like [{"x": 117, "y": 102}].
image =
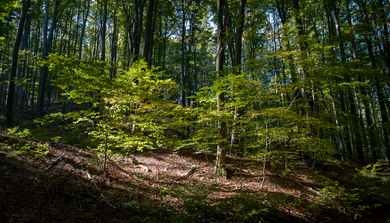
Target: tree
[
  {"x": 221, "y": 149},
  {"x": 47, "y": 42},
  {"x": 237, "y": 64},
  {"x": 148, "y": 32},
  {"x": 15, "y": 55},
  {"x": 109, "y": 118}
]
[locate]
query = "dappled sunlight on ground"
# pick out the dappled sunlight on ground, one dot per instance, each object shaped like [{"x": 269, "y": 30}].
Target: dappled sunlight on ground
[{"x": 67, "y": 177}]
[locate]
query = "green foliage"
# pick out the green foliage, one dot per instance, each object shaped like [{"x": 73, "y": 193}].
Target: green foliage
[
  {"x": 18, "y": 133},
  {"x": 377, "y": 168},
  {"x": 124, "y": 114},
  {"x": 7, "y": 6},
  {"x": 18, "y": 146},
  {"x": 354, "y": 200},
  {"x": 250, "y": 108},
  {"x": 248, "y": 208}
]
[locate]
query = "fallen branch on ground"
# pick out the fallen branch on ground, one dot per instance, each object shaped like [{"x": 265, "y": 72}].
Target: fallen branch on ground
[{"x": 188, "y": 174}]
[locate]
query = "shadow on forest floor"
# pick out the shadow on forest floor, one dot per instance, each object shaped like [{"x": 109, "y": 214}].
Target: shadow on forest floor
[{"x": 54, "y": 182}]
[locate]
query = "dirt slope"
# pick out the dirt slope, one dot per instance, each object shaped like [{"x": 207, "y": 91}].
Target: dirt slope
[{"x": 49, "y": 182}]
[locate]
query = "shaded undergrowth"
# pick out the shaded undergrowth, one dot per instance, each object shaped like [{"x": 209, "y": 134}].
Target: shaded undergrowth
[{"x": 35, "y": 188}]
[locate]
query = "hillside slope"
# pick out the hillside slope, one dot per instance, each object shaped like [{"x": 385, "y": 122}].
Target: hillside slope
[{"x": 52, "y": 182}]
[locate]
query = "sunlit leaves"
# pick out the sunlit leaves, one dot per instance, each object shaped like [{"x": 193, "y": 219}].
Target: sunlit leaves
[{"x": 126, "y": 113}]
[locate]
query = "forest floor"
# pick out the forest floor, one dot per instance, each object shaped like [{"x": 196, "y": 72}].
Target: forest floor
[
  {"x": 47, "y": 181},
  {"x": 62, "y": 183}
]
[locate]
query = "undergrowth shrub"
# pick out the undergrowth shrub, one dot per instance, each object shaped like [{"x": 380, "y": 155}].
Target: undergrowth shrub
[{"x": 125, "y": 114}]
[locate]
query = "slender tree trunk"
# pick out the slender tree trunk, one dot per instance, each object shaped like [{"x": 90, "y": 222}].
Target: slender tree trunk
[
  {"x": 165, "y": 42},
  {"x": 64, "y": 32},
  {"x": 290, "y": 60},
  {"x": 83, "y": 29},
  {"x": 353, "y": 111},
  {"x": 237, "y": 64},
  {"x": 1, "y": 35},
  {"x": 137, "y": 27},
  {"x": 129, "y": 23},
  {"x": 152, "y": 51},
  {"x": 371, "y": 142},
  {"x": 382, "y": 106},
  {"x": 2, "y": 90},
  {"x": 221, "y": 149},
  {"x": 35, "y": 53},
  {"x": 22, "y": 69},
  {"x": 46, "y": 50},
  {"x": 183, "y": 34},
  {"x": 114, "y": 44},
  {"x": 303, "y": 48},
  {"x": 384, "y": 17},
  {"x": 148, "y": 31},
  {"x": 14, "y": 64},
  {"x": 104, "y": 24},
  {"x": 77, "y": 28}
]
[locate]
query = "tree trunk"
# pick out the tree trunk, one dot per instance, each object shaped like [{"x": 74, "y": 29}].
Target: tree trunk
[
  {"x": 114, "y": 44},
  {"x": 83, "y": 30},
  {"x": 46, "y": 50},
  {"x": 104, "y": 23},
  {"x": 221, "y": 149},
  {"x": 77, "y": 28},
  {"x": 14, "y": 63},
  {"x": 237, "y": 59},
  {"x": 353, "y": 113},
  {"x": 21, "y": 90},
  {"x": 35, "y": 53},
  {"x": 371, "y": 142},
  {"x": 165, "y": 42},
  {"x": 183, "y": 34},
  {"x": 148, "y": 31}
]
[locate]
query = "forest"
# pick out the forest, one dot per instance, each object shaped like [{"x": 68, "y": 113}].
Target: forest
[{"x": 194, "y": 111}]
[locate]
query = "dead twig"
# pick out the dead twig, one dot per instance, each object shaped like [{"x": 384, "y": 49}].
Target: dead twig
[{"x": 59, "y": 159}]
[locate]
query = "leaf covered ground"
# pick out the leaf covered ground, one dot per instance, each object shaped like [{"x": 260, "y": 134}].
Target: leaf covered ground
[{"x": 53, "y": 182}]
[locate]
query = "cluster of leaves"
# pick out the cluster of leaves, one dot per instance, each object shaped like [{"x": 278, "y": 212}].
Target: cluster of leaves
[
  {"x": 124, "y": 114},
  {"x": 260, "y": 123},
  {"x": 351, "y": 199},
  {"x": 21, "y": 147},
  {"x": 374, "y": 169}
]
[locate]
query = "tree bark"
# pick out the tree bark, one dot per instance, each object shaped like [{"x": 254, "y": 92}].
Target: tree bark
[
  {"x": 221, "y": 148},
  {"x": 46, "y": 50},
  {"x": 148, "y": 31},
  {"x": 114, "y": 44},
  {"x": 83, "y": 30},
  {"x": 14, "y": 63},
  {"x": 183, "y": 34},
  {"x": 104, "y": 25},
  {"x": 353, "y": 112},
  {"x": 371, "y": 142},
  {"x": 237, "y": 59}
]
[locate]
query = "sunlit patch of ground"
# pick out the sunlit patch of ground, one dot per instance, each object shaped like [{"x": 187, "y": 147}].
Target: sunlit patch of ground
[{"x": 148, "y": 183}]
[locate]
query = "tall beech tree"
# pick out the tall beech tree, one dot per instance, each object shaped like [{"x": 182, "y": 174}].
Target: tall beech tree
[
  {"x": 237, "y": 65},
  {"x": 221, "y": 28},
  {"x": 14, "y": 64},
  {"x": 47, "y": 42},
  {"x": 148, "y": 37}
]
